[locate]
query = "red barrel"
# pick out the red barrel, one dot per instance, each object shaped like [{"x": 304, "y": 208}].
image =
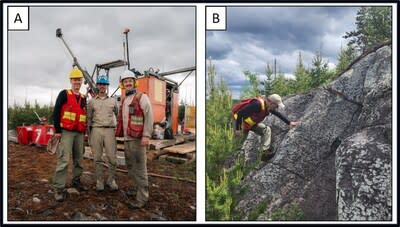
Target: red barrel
[
  {"x": 24, "y": 134},
  {"x": 42, "y": 133}
]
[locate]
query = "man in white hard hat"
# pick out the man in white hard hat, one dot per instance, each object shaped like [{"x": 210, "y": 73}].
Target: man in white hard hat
[
  {"x": 135, "y": 124},
  {"x": 249, "y": 113}
]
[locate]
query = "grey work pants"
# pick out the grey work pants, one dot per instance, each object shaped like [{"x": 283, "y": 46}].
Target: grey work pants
[
  {"x": 104, "y": 138},
  {"x": 70, "y": 143},
  {"x": 136, "y": 163}
]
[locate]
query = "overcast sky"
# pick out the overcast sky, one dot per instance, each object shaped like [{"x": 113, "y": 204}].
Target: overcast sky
[
  {"x": 256, "y": 36},
  {"x": 160, "y": 37}
]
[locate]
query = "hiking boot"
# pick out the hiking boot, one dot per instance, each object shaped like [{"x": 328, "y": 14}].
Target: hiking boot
[
  {"x": 130, "y": 194},
  {"x": 99, "y": 186},
  {"x": 59, "y": 195},
  {"x": 136, "y": 205},
  {"x": 78, "y": 185},
  {"x": 268, "y": 154},
  {"x": 112, "y": 184}
]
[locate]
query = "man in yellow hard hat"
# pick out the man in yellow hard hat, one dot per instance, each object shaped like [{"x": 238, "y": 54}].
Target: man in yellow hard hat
[{"x": 70, "y": 124}]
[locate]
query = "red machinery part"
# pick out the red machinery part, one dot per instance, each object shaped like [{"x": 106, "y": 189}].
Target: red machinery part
[
  {"x": 41, "y": 134},
  {"x": 24, "y": 134}
]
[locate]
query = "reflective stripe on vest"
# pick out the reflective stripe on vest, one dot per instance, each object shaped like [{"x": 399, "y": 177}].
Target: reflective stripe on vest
[
  {"x": 82, "y": 118},
  {"x": 261, "y": 100},
  {"x": 69, "y": 115},
  {"x": 249, "y": 121},
  {"x": 137, "y": 120}
]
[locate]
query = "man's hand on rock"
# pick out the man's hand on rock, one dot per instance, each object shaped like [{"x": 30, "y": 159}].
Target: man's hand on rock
[{"x": 293, "y": 124}]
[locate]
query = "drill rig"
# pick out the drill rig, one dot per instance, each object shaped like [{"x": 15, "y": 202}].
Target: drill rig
[{"x": 162, "y": 91}]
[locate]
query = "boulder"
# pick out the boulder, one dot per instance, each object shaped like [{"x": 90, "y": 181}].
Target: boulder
[{"x": 336, "y": 164}]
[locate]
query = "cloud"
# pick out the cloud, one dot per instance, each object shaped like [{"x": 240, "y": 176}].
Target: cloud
[
  {"x": 256, "y": 36},
  {"x": 160, "y": 37}
]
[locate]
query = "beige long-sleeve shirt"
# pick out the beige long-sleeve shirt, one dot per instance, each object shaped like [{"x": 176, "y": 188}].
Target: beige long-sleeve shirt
[
  {"x": 145, "y": 104},
  {"x": 102, "y": 112}
]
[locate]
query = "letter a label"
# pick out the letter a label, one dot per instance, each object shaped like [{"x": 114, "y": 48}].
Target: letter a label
[
  {"x": 216, "y": 18},
  {"x": 18, "y": 18}
]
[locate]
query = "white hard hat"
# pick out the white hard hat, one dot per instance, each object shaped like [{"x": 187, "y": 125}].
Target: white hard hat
[{"x": 127, "y": 74}]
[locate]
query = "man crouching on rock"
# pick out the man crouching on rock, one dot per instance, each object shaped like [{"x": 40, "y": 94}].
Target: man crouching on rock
[{"x": 248, "y": 115}]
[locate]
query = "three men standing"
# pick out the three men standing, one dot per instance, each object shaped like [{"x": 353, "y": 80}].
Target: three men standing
[{"x": 134, "y": 123}]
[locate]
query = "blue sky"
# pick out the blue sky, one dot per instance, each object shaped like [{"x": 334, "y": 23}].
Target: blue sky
[{"x": 256, "y": 36}]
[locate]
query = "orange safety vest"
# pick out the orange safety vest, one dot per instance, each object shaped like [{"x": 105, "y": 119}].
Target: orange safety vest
[
  {"x": 73, "y": 117},
  {"x": 135, "y": 119},
  {"x": 253, "y": 119}
]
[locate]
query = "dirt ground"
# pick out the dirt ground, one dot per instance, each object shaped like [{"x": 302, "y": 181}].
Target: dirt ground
[{"x": 31, "y": 195}]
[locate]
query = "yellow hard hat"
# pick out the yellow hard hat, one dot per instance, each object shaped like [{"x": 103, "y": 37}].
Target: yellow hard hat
[{"x": 75, "y": 73}]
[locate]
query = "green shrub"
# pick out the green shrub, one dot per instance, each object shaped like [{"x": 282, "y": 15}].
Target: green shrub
[
  {"x": 291, "y": 213},
  {"x": 261, "y": 207}
]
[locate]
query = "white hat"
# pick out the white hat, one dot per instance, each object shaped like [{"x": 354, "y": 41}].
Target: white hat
[
  {"x": 127, "y": 74},
  {"x": 277, "y": 100}
]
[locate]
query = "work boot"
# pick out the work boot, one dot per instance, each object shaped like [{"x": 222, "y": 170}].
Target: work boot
[
  {"x": 112, "y": 184},
  {"x": 136, "y": 205},
  {"x": 132, "y": 194},
  {"x": 268, "y": 154},
  {"x": 59, "y": 195},
  {"x": 99, "y": 185},
  {"x": 78, "y": 185}
]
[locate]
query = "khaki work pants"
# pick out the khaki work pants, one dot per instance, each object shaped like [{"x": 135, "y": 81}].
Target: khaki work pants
[
  {"x": 265, "y": 132},
  {"x": 70, "y": 143},
  {"x": 262, "y": 130},
  {"x": 136, "y": 163},
  {"x": 99, "y": 138}
]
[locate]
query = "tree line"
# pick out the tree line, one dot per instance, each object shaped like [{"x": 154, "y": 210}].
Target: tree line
[{"x": 19, "y": 115}]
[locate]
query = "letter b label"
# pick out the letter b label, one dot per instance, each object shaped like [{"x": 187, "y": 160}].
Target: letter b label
[{"x": 216, "y": 18}]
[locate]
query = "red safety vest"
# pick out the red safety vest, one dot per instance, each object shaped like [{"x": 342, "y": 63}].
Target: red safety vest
[
  {"x": 253, "y": 119},
  {"x": 135, "y": 119},
  {"x": 73, "y": 117}
]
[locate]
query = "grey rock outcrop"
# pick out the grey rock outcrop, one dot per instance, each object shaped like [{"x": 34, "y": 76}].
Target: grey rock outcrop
[{"x": 336, "y": 164}]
